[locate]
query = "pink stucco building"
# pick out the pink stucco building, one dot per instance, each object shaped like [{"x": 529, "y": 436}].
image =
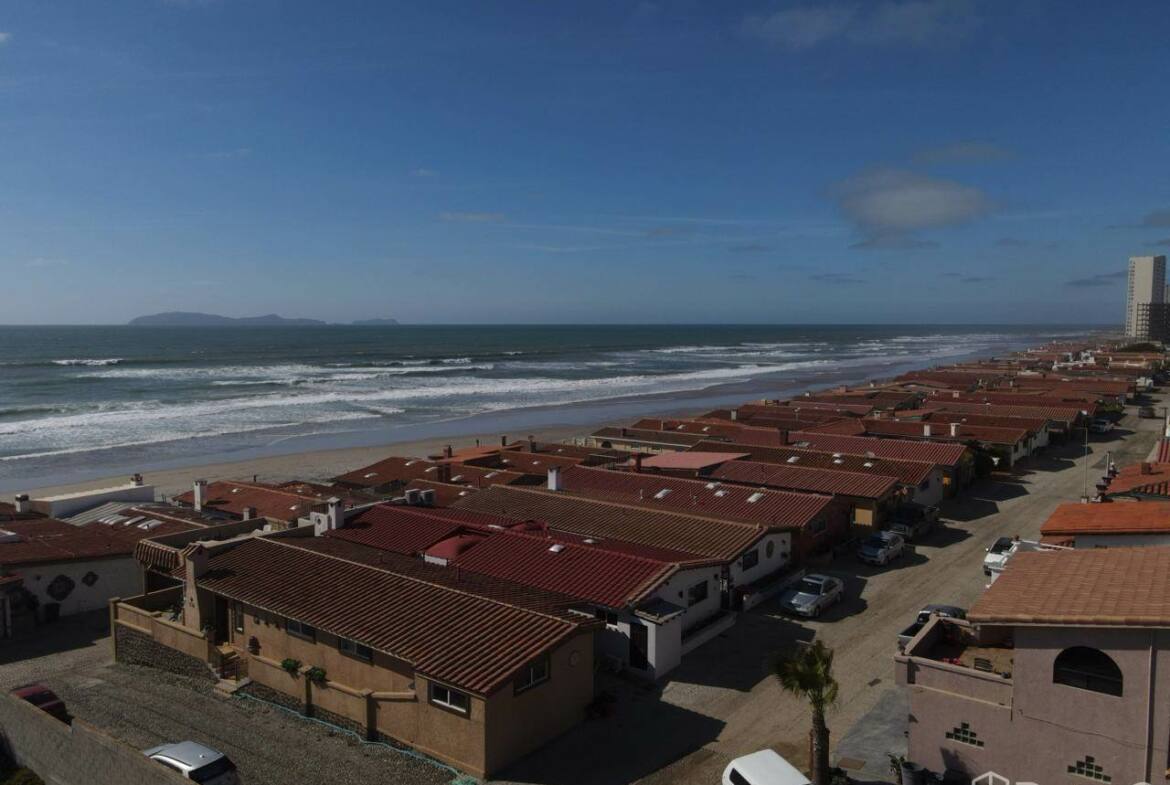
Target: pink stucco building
[{"x": 1060, "y": 675}]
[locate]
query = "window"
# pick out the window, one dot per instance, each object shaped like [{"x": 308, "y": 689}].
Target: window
[
  {"x": 1088, "y": 768},
  {"x": 300, "y": 629},
  {"x": 450, "y": 699},
  {"x": 750, "y": 559},
  {"x": 770, "y": 549},
  {"x": 818, "y": 526},
  {"x": 697, "y": 593},
  {"x": 964, "y": 735},
  {"x": 532, "y": 674},
  {"x": 238, "y": 617},
  {"x": 354, "y": 649},
  {"x": 607, "y": 616},
  {"x": 1087, "y": 669}
]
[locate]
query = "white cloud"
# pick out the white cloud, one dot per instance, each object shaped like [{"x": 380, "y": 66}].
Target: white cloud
[
  {"x": 41, "y": 262},
  {"x": 422, "y": 171},
  {"x": 889, "y": 205},
  {"x": 221, "y": 155},
  {"x": 5, "y": 38},
  {"x": 922, "y": 23}
]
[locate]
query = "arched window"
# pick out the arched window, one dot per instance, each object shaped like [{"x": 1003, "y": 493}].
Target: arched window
[{"x": 1087, "y": 669}]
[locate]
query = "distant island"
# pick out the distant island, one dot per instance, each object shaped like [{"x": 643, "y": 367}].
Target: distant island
[{"x": 193, "y": 319}]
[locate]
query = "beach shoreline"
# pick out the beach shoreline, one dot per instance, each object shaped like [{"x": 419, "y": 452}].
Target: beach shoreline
[{"x": 550, "y": 424}]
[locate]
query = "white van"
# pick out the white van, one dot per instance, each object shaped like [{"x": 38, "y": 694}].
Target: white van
[{"x": 763, "y": 768}]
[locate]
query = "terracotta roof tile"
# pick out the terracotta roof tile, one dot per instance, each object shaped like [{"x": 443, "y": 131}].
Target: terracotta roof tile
[
  {"x": 801, "y": 478},
  {"x": 939, "y": 453},
  {"x": 1108, "y": 518},
  {"x": 1100, "y": 586},
  {"x": 907, "y": 472}
]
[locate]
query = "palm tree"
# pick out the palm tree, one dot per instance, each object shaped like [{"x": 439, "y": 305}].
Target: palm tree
[{"x": 807, "y": 672}]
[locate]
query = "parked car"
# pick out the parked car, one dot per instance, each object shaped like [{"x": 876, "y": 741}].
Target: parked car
[
  {"x": 997, "y": 554},
  {"x": 1100, "y": 425},
  {"x": 881, "y": 548},
  {"x": 913, "y": 521},
  {"x": 812, "y": 594},
  {"x": 1147, "y": 412},
  {"x": 195, "y": 762},
  {"x": 44, "y": 699},
  {"x": 763, "y": 768},
  {"x": 946, "y": 611}
]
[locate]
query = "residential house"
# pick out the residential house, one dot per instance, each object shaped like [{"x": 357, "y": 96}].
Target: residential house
[{"x": 1108, "y": 525}]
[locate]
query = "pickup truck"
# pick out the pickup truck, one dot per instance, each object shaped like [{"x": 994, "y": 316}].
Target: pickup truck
[
  {"x": 1004, "y": 548},
  {"x": 913, "y": 521},
  {"x": 948, "y": 611}
]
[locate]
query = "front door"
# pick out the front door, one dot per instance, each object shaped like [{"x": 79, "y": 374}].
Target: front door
[
  {"x": 221, "y": 620},
  {"x": 639, "y": 647}
]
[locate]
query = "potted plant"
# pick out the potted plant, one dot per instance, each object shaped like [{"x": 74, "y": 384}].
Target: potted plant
[
  {"x": 293, "y": 667},
  {"x": 896, "y": 762},
  {"x": 315, "y": 675}
]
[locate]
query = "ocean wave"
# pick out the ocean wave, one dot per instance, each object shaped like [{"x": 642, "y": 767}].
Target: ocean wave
[{"x": 89, "y": 362}]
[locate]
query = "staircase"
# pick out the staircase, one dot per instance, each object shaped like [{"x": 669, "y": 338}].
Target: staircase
[{"x": 230, "y": 669}]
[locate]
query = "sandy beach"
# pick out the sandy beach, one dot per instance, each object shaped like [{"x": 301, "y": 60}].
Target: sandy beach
[{"x": 316, "y": 465}]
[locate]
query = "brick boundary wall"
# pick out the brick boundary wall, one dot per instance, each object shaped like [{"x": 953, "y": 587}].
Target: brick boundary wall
[
  {"x": 77, "y": 754},
  {"x": 287, "y": 701},
  {"x": 134, "y": 648}
]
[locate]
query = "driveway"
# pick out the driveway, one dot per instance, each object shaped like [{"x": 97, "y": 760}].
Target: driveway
[{"x": 144, "y": 707}]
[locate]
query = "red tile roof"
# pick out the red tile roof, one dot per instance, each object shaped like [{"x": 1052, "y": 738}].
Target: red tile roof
[
  {"x": 1074, "y": 518},
  {"x": 1162, "y": 451},
  {"x": 1065, "y": 414},
  {"x": 269, "y": 501},
  {"x": 799, "y": 478},
  {"x": 705, "y": 538},
  {"x": 51, "y": 540},
  {"x": 907, "y": 472},
  {"x": 1124, "y": 587},
  {"x": 939, "y": 453},
  {"x": 772, "y": 509},
  {"x": 669, "y": 439},
  {"x": 446, "y": 493},
  {"x": 405, "y": 530},
  {"x": 1149, "y": 479},
  {"x": 689, "y": 461},
  {"x": 943, "y": 432},
  {"x": 404, "y": 470},
  {"x": 474, "y": 642}
]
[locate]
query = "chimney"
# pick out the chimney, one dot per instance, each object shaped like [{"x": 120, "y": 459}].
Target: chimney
[
  {"x": 22, "y": 503},
  {"x": 623, "y": 432},
  {"x": 554, "y": 478},
  {"x": 250, "y": 513},
  {"x": 335, "y": 514},
  {"x": 504, "y": 440},
  {"x": 926, "y": 429},
  {"x": 200, "y": 493},
  {"x": 448, "y": 452},
  {"x": 954, "y": 429},
  {"x": 427, "y": 497},
  {"x": 531, "y": 443},
  {"x": 734, "y": 415},
  {"x": 1146, "y": 468},
  {"x": 783, "y": 436},
  {"x": 413, "y": 497},
  {"x": 637, "y": 463},
  {"x": 444, "y": 472},
  {"x": 136, "y": 480}
]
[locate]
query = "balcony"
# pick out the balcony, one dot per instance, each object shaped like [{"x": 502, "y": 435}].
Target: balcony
[{"x": 952, "y": 656}]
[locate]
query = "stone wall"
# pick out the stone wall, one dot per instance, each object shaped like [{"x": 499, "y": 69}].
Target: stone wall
[{"x": 135, "y": 648}]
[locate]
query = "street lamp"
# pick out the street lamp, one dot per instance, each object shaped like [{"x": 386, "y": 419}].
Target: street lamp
[{"x": 1085, "y": 494}]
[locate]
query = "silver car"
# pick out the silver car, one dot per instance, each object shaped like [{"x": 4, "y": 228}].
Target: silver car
[
  {"x": 880, "y": 548},
  {"x": 195, "y": 762},
  {"x": 812, "y": 594}
]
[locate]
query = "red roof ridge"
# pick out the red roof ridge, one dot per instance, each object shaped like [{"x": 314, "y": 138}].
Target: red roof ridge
[
  {"x": 414, "y": 579},
  {"x": 623, "y": 505}
]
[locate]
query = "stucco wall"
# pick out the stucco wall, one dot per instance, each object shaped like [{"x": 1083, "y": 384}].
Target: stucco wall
[
  {"x": 77, "y": 754},
  {"x": 781, "y": 543},
  {"x": 120, "y": 577},
  {"x": 675, "y": 591}
]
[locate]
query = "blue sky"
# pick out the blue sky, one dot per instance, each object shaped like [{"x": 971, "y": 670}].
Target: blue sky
[{"x": 863, "y": 161}]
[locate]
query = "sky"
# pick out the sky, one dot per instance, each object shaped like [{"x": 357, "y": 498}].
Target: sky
[{"x": 859, "y": 161}]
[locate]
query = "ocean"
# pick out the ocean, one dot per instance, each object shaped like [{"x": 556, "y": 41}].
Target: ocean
[{"x": 96, "y": 401}]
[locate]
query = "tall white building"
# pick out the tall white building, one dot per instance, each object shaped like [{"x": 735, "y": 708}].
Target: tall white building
[{"x": 1147, "y": 284}]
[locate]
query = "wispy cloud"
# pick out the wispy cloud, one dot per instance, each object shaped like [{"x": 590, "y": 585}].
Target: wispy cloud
[
  {"x": 471, "y": 217},
  {"x": 919, "y": 23},
  {"x": 1159, "y": 243},
  {"x": 224, "y": 155},
  {"x": 422, "y": 171},
  {"x": 1100, "y": 279},
  {"x": 41, "y": 262},
  {"x": 961, "y": 152},
  {"x": 750, "y": 248},
  {"x": 5, "y": 38},
  {"x": 836, "y": 279},
  {"x": 1157, "y": 218},
  {"x": 1011, "y": 242},
  {"x": 888, "y": 206}
]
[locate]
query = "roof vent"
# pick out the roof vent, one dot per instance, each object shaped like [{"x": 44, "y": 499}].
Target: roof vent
[
  {"x": 793, "y": 459},
  {"x": 556, "y": 548},
  {"x": 662, "y": 494},
  {"x": 590, "y": 541},
  {"x": 836, "y": 455},
  {"x": 721, "y": 492},
  {"x": 868, "y": 464},
  {"x": 7, "y": 536},
  {"x": 755, "y": 497},
  {"x": 838, "y": 461}
]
